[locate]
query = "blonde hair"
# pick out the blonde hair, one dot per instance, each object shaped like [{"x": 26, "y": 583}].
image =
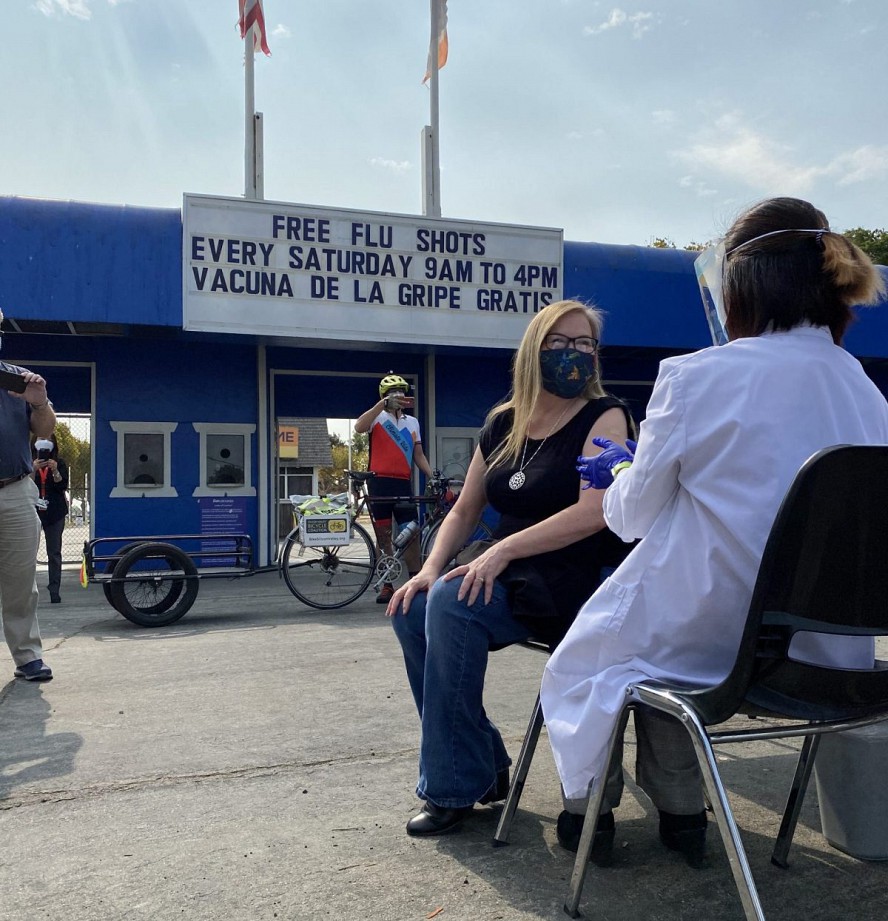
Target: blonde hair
[
  {"x": 855, "y": 277},
  {"x": 527, "y": 380}
]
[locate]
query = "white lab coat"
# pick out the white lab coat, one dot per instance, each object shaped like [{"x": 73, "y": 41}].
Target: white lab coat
[{"x": 726, "y": 431}]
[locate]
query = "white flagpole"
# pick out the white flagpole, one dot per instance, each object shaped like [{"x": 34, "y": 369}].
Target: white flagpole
[
  {"x": 250, "y": 190},
  {"x": 432, "y": 198}
]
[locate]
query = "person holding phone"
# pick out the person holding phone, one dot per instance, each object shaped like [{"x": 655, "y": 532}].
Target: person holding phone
[
  {"x": 23, "y": 411},
  {"x": 395, "y": 446},
  {"x": 51, "y": 477}
]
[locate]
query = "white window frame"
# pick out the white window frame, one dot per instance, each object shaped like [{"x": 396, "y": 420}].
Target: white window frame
[
  {"x": 225, "y": 428},
  {"x": 163, "y": 490}
]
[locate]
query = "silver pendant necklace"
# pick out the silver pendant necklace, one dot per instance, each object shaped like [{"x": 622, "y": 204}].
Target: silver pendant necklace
[{"x": 518, "y": 478}]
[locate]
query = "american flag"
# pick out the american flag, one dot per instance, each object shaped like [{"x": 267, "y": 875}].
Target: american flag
[{"x": 250, "y": 16}]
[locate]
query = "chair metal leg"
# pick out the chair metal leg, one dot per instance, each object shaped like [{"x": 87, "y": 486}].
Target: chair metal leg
[
  {"x": 519, "y": 776},
  {"x": 794, "y": 801},
  {"x": 590, "y": 824},
  {"x": 665, "y": 701}
]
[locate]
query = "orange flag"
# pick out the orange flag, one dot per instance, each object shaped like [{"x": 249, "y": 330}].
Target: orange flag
[{"x": 442, "y": 42}]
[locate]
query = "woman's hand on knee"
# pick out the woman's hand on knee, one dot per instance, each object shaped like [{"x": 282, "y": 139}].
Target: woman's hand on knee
[
  {"x": 403, "y": 597},
  {"x": 478, "y": 576}
]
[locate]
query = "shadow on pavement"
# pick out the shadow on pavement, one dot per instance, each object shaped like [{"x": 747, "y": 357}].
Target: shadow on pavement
[{"x": 28, "y": 753}]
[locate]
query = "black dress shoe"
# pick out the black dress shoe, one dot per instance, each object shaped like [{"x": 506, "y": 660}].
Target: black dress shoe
[
  {"x": 55, "y": 599},
  {"x": 570, "y": 827},
  {"x": 436, "y": 820},
  {"x": 500, "y": 789},
  {"x": 687, "y": 835}
]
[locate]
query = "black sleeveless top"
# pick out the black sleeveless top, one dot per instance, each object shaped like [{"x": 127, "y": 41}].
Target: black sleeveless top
[{"x": 547, "y": 591}]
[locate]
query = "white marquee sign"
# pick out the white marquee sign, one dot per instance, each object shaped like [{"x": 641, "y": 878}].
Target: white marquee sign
[{"x": 309, "y": 272}]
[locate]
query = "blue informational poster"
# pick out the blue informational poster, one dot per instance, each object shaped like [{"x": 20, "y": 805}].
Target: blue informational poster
[{"x": 221, "y": 515}]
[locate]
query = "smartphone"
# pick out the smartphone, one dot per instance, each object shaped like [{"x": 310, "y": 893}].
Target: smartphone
[
  {"x": 11, "y": 381},
  {"x": 406, "y": 402}
]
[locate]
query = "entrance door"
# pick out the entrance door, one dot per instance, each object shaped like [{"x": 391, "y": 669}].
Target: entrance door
[
  {"x": 306, "y": 400},
  {"x": 70, "y": 387}
]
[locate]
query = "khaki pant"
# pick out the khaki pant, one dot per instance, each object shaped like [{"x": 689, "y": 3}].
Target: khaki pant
[
  {"x": 666, "y": 767},
  {"x": 19, "y": 536}
]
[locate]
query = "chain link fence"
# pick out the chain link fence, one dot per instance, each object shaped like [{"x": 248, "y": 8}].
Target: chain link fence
[{"x": 76, "y": 527}]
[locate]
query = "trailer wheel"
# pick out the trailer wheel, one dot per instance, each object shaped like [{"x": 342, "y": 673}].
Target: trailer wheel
[{"x": 154, "y": 584}]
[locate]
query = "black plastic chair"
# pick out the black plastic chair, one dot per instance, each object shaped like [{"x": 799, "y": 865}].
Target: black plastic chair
[
  {"x": 525, "y": 756},
  {"x": 824, "y": 569}
]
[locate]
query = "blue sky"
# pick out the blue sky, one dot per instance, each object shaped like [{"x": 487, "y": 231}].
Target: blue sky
[{"x": 617, "y": 123}]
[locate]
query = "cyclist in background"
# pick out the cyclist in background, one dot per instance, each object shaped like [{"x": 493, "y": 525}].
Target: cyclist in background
[{"x": 395, "y": 446}]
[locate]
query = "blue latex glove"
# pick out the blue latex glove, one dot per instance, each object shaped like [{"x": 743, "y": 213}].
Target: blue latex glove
[{"x": 599, "y": 470}]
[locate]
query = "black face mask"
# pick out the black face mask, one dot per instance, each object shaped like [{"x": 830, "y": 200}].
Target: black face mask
[{"x": 566, "y": 372}]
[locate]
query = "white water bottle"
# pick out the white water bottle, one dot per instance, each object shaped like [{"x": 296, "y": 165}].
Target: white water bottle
[{"x": 406, "y": 534}]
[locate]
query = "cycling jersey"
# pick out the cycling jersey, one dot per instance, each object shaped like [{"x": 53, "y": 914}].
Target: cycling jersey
[{"x": 391, "y": 445}]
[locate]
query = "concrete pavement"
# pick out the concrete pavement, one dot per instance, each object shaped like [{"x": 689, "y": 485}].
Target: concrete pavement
[{"x": 257, "y": 760}]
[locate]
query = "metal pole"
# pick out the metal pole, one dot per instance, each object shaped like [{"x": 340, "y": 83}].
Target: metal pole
[
  {"x": 259, "y": 138},
  {"x": 249, "y": 122},
  {"x": 434, "y": 198}
]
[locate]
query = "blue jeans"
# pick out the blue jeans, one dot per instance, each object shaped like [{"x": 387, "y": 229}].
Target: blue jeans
[{"x": 445, "y": 644}]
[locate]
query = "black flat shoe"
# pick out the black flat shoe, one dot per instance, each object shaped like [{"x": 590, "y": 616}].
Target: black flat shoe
[
  {"x": 436, "y": 820},
  {"x": 570, "y": 827},
  {"x": 499, "y": 791},
  {"x": 687, "y": 835}
]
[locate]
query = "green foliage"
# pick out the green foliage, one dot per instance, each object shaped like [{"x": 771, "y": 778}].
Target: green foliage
[
  {"x": 334, "y": 479},
  {"x": 76, "y": 454},
  {"x": 873, "y": 242},
  {"x": 666, "y": 243}
]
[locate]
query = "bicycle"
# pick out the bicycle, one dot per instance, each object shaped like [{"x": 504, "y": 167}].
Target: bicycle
[{"x": 334, "y": 575}]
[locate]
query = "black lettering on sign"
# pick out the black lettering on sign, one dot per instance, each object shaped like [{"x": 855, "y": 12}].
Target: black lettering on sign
[
  {"x": 244, "y": 281},
  {"x": 493, "y": 272},
  {"x": 542, "y": 276},
  {"x": 512, "y": 301},
  {"x": 323, "y": 288},
  {"x": 307, "y": 230},
  {"x": 454, "y": 242},
  {"x": 373, "y": 293},
  {"x": 371, "y": 235},
  {"x": 448, "y": 269},
  {"x": 413, "y": 295}
]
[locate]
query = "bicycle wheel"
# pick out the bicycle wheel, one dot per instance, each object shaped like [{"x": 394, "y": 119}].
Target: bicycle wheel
[
  {"x": 481, "y": 532},
  {"x": 329, "y": 577},
  {"x": 158, "y": 584}
]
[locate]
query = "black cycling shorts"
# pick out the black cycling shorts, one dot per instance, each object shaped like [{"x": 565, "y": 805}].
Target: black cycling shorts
[{"x": 382, "y": 512}]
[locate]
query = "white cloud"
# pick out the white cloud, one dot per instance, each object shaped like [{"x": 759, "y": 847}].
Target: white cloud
[
  {"x": 640, "y": 23},
  {"x": 697, "y": 186},
  {"x": 663, "y": 117},
  {"x": 861, "y": 165},
  {"x": 736, "y": 151},
  {"x": 396, "y": 166},
  {"x": 79, "y": 9},
  {"x": 281, "y": 31},
  {"x": 616, "y": 18}
]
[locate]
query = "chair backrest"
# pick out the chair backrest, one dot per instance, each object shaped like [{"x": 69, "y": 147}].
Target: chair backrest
[{"x": 824, "y": 569}]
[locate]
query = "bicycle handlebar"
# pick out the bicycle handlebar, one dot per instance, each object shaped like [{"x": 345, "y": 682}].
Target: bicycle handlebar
[{"x": 436, "y": 481}]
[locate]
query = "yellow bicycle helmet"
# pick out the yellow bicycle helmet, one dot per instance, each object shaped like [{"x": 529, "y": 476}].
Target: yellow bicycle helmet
[{"x": 392, "y": 382}]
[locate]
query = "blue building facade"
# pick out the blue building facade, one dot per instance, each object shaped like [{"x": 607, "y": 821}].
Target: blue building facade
[{"x": 93, "y": 296}]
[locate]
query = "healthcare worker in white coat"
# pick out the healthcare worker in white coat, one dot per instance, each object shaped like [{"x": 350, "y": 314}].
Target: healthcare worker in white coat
[{"x": 727, "y": 429}]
